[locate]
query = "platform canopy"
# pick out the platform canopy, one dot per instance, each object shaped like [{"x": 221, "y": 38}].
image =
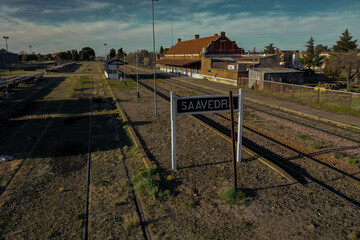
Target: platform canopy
[{"x": 177, "y": 62}]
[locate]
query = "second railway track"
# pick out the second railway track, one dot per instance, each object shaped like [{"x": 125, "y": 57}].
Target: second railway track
[{"x": 300, "y": 174}]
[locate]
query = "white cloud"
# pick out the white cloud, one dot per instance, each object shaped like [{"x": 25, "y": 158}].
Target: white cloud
[{"x": 244, "y": 28}]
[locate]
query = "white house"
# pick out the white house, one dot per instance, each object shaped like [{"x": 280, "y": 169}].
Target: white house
[{"x": 111, "y": 68}]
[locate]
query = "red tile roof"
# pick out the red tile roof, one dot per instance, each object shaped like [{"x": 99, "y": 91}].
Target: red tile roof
[{"x": 194, "y": 46}]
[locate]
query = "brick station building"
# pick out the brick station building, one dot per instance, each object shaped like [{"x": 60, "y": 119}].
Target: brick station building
[
  {"x": 216, "y": 58},
  {"x": 194, "y": 58}
]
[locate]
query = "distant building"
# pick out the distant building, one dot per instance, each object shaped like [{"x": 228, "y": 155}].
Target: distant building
[
  {"x": 258, "y": 76},
  {"x": 111, "y": 68},
  {"x": 290, "y": 59},
  {"x": 215, "y": 58},
  {"x": 8, "y": 57},
  {"x": 194, "y": 58}
]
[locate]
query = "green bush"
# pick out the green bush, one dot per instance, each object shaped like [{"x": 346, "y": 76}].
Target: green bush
[
  {"x": 234, "y": 197},
  {"x": 147, "y": 182}
]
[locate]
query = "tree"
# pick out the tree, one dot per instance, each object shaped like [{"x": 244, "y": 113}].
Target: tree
[
  {"x": 309, "y": 53},
  {"x": 87, "y": 54},
  {"x": 346, "y": 62},
  {"x": 311, "y": 57},
  {"x": 147, "y": 61},
  {"x": 74, "y": 55},
  {"x": 68, "y": 55},
  {"x": 112, "y": 53},
  {"x": 25, "y": 58},
  {"x": 269, "y": 49},
  {"x": 318, "y": 60},
  {"x": 120, "y": 53},
  {"x": 345, "y": 44},
  {"x": 48, "y": 56},
  {"x": 161, "y": 50}
]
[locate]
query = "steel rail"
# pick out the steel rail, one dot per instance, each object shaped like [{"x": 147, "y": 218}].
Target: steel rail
[
  {"x": 303, "y": 176},
  {"x": 139, "y": 209}
]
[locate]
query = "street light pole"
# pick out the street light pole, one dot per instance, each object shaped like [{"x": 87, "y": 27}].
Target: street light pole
[
  {"x": 7, "y": 52},
  {"x": 105, "y": 50},
  {"x": 152, "y": 5}
]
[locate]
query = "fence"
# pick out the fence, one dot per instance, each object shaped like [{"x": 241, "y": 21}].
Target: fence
[{"x": 305, "y": 94}]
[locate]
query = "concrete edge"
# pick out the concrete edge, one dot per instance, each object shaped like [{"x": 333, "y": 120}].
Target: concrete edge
[
  {"x": 285, "y": 109},
  {"x": 131, "y": 129}
]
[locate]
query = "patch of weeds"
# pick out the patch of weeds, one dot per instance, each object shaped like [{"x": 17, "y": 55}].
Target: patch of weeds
[
  {"x": 248, "y": 115},
  {"x": 53, "y": 234},
  {"x": 304, "y": 137},
  {"x": 316, "y": 146},
  {"x": 148, "y": 182},
  {"x": 354, "y": 235},
  {"x": 103, "y": 183},
  {"x": 81, "y": 216},
  {"x": 337, "y": 155},
  {"x": 353, "y": 161},
  {"x": 234, "y": 197},
  {"x": 193, "y": 203},
  {"x": 131, "y": 221}
]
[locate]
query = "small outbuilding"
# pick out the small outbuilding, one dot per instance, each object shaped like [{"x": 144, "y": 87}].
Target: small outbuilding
[
  {"x": 258, "y": 76},
  {"x": 111, "y": 68}
]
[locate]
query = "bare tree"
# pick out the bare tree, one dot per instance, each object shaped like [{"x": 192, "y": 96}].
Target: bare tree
[{"x": 348, "y": 63}]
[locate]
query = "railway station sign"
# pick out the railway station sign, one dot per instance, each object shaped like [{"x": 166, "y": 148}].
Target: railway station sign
[{"x": 203, "y": 105}]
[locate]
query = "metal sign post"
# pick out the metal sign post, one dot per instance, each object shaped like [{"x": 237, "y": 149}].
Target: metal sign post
[
  {"x": 173, "y": 129},
  {"x": 202, "y": 105},
  {"x": 240, "y": 123},
  {"x": 233, "y": 138}
]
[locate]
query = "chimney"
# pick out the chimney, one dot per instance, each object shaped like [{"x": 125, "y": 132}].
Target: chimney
[
  {"x": 222, "y": 34},
  {"x": 196, "y": 36},
  {"x": 179, "y": 40}
]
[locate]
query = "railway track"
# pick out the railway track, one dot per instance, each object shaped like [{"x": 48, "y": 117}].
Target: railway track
[
  {"x": 146, "y": 233},
  {"x": 301, "y": 175},
  {"x": 25, "y": 99},
  {"x": 3, "y": 189},
  {"x": 349, "y": 134}
]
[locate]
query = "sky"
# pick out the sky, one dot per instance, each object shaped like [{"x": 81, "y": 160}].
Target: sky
[{"x": 53, "y": 26}]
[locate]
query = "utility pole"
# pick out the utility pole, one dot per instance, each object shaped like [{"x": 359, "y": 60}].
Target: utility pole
[
  {"x": 137, "y": 72},
  {"x": 124, "y": 70},
  {"x": 154, "y": 61},
  {"x": 172, "y": 31},
  {"x": 253, "y": 75},
  {"x": 105, "y": 50},
  {"x": 30, "y": 49},
  {"x": 7, "y": 52}
]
